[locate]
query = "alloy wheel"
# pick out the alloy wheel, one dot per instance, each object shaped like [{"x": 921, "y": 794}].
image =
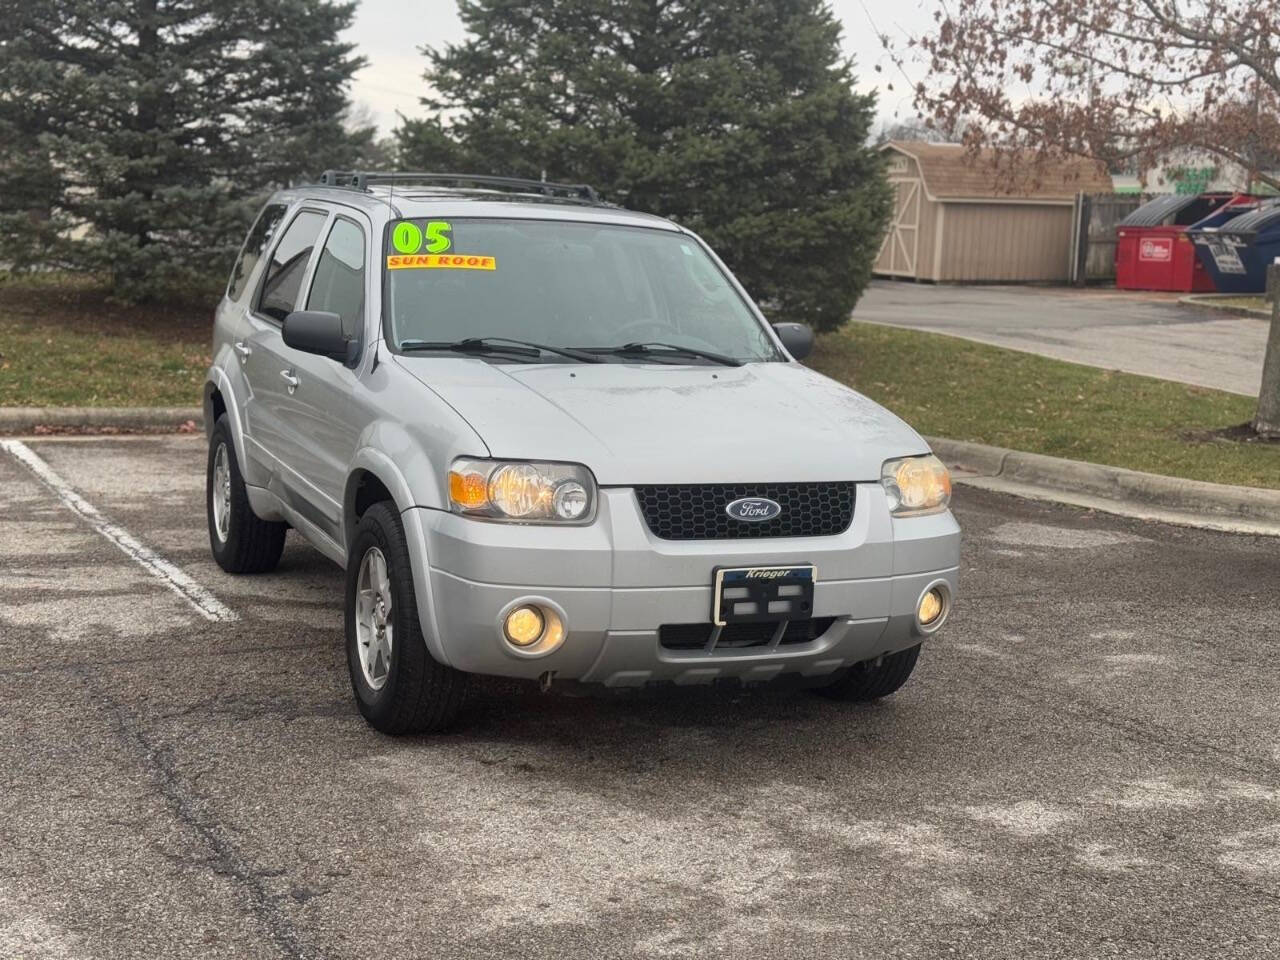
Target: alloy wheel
[
  {"x": 221, "y": 493},
  {"x": 374, "y": 629}
]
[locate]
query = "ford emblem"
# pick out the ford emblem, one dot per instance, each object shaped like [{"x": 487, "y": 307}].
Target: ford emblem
[{"x": 753, "y": 509}]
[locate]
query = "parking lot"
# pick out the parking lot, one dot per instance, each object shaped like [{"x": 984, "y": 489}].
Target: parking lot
[
  {"x": 1131, "y": 330},
  {"x": 1086, "y": 763}
]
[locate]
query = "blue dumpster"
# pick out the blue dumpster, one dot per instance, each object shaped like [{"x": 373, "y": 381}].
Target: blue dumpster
[{"x": 1236, "y": 253}]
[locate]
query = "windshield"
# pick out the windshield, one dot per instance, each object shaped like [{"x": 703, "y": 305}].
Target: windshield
[{"x": 567, "y": 285}]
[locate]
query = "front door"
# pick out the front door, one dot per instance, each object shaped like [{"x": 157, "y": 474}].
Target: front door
[
  {"x": 320, "y": 415},
  {"x": 262, "y": 348}
]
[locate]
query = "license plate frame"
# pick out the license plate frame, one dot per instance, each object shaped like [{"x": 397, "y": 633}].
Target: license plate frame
[{"x": 764, "y": 588}]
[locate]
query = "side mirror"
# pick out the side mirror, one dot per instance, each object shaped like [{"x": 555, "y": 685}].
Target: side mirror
[
  {"x": 796, "y": 337},
  {"x": 315, "y": 331}
]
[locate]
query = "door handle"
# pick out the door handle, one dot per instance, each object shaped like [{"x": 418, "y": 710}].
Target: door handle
[
  {"x": 288, "y": 377},
  {"x": 242, "y": 348}
]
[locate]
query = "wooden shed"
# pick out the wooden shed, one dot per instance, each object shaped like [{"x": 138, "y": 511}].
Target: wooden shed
[{"x": 958, "y": 219}]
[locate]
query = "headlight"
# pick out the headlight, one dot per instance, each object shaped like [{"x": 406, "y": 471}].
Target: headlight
[
  {"x": 523, "y": 492},
  {"x": 916, "y": 485}
]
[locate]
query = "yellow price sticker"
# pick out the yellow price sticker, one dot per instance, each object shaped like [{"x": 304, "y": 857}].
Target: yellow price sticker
[{"x": 440, "y": 261}]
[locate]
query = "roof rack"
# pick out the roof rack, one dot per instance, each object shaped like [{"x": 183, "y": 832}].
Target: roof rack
[{"x": 363, "y": 179}]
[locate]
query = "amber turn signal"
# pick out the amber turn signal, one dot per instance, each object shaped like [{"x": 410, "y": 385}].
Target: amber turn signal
[{"x": 470, "y": 491}]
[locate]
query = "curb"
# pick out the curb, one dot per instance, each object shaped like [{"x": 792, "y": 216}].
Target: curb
[
  {"x": 28, "y": 419},
  {"x": 1198, "y": 300},
  {"x": 1148, "y": 496}
]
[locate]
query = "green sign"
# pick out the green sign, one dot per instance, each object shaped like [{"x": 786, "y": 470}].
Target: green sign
[{"x": 1192, "y": 180}]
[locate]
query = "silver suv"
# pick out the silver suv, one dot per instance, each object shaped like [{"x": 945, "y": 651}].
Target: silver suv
[{"x": 554, "y": 439}]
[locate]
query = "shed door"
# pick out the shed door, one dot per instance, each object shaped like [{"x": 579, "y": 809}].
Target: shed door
[{"x": 898, "y": 251}]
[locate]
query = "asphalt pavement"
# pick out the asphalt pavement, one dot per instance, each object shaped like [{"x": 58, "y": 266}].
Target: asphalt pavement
[
  {"x": 1086, "y": 763},
  {"x": 1133, "y": 331}
]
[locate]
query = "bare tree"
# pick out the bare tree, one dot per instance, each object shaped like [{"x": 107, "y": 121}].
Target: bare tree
[
  {"x": 915, "y": 129},
  {"x": 1122, "y": 81},
  {"x": 1267, "y": 420},
  {"x": 1116, "y": 80}
]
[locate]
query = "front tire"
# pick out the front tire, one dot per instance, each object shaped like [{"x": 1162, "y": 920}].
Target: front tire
[
  {"x": 399, "y": 687},
  {"x": 864, "y": 682},
  {"x": 241, "y": 542}
]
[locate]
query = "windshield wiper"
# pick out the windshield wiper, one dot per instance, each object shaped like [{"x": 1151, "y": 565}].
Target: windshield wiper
[
  {"x": 663, "y": 350},
  {"x": 517, "y": 348}
]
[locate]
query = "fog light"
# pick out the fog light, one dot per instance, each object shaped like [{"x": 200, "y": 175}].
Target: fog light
[
  {"x": 524, "y": 626},
  {"x": 931, "y": 605}
]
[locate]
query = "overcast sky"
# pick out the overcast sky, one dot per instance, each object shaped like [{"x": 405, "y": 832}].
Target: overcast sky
[{"x": 390, "y": 32}]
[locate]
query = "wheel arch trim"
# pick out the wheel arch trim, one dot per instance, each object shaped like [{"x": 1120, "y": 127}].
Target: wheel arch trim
[
  {"x": 372, "y": 461},
  {"x": 218, "y": 382}
]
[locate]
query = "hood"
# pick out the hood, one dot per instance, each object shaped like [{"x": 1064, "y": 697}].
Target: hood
[{"x": 650, "y": 423}]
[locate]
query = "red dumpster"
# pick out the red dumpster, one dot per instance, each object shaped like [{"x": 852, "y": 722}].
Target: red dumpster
[{"x": 1153, "y": 251}]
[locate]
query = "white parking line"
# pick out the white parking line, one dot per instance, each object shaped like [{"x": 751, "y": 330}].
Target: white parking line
[{"x": 173, "y": 577}]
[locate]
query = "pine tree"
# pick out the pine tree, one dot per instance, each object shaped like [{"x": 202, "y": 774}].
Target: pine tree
[
  {"x": 737, "y": 118},
  {"x": 139, "y": 135}
]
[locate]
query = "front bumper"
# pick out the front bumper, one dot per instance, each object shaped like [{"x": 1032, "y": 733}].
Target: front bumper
[{"x": 615, "y": 585}]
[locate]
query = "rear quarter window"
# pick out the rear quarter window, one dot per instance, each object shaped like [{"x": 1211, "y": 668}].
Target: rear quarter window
[{"x": 255, "y": 243}]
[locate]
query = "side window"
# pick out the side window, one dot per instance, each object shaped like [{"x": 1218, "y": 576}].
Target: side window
[
  {"x": 260, "y": 234},
  {"x": 283, "y": 282},
  {"x": 338, "y": 286}
]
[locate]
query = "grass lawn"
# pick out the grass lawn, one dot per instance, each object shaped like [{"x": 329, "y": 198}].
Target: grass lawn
[
  {"x": 63, "y": 344},
  {"x": 947, "y": 387}
]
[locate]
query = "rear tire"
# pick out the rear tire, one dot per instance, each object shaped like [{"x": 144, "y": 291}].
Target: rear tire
[
  {"x": 864, "y": 682},
  {"x": 403, "y": 689},
  {"x": 241, "y": 542}
]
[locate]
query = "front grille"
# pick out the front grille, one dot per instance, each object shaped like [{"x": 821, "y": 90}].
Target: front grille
[
  {"x": 736, "y": 636},
  {"x": 696, "y": 511}
]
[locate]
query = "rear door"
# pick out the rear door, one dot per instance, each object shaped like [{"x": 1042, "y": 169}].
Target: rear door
[
  {"x": 265, "y": 366},
  {"x": 233, "y": 324}
]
